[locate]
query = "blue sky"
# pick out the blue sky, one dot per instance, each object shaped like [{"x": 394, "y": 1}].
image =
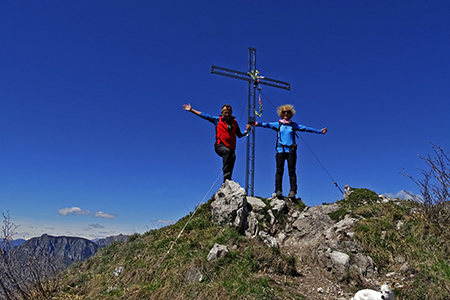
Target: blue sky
[{"x": 94, "y": 140}]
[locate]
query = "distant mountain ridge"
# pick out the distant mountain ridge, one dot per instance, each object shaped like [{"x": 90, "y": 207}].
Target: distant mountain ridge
[
  {"x": 103, "y": 242},
  {"x": 15, "y": 243},
  {"x": 108, "y": 240},
  {"x": 18, "y": 242},
  {"x": 61, "y": 250}
]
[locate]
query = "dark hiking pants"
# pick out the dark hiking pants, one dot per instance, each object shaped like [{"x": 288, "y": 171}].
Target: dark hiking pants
[
  {"x": 291, "y": 158},
  {"x": 228, "y": 158}
]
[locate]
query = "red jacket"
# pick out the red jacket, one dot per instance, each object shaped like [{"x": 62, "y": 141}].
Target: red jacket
[{"x": 225, "y": 133}]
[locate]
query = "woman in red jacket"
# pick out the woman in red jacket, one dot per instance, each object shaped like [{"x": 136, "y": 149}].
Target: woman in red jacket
[{"x": 227, "y": 129}]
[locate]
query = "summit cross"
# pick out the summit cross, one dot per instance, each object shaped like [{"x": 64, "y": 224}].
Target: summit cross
[{"x": 254, "y": 80}]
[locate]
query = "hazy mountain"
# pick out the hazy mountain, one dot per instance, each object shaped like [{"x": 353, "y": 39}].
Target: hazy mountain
[
  {"x": 61, "y": 250},
  {"x": 108, "y": 240}
]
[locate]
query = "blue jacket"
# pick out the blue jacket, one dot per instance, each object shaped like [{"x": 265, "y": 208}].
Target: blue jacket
[{"x": 286, "y": 133}]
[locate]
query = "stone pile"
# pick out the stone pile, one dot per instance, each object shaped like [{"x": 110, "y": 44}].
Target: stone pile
[{"x": 310, "y": 234}]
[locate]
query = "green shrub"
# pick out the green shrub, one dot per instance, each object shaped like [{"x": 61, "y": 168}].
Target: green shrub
[{"x": 361, "y": 197}]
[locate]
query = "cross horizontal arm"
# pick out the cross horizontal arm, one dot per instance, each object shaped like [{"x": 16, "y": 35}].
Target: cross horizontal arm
[
  {"x": 275, "y": 83},
  {"x": 245, "y": 76},
  {"x": 230, "y": 73}
]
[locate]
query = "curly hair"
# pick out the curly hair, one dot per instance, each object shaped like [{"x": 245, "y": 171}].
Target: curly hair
[{"x": 286, "y": 107}]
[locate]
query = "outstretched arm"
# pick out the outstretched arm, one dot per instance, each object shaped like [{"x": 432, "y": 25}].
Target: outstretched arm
[
  {"x": 188, "y": 107},
  {"x": 299, "y": 127},
  {"x": 273, "y": 125}
]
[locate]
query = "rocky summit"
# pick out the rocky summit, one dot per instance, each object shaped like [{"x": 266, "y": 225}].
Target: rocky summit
[
  {"x": 324, "y": 248},
  {"x": 239, "y": 247}
]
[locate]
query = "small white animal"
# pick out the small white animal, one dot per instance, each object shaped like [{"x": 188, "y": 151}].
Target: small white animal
[{"x": 367, "y": 294}]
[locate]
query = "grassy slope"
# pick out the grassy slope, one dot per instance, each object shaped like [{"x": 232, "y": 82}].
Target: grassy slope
[
  {"x": 389, "y": 233},
  {"x": 392, "y": 234},
  {"x": 242, "y": 274}
]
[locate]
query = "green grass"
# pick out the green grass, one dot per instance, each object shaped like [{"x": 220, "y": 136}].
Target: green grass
[
  {"x": 425, "y": 246},
  {"x": 241, "y": 274},
  {"x": 386, "y": 232}
]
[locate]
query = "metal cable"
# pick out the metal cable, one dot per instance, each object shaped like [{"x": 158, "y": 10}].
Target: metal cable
[{"x": 196, "y": 208}]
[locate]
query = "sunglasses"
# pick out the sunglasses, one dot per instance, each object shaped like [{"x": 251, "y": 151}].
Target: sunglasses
[{"x": 286, "y": 112}]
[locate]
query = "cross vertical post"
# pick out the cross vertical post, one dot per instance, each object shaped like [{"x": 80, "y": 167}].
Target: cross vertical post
[
  {"x": 250, "y": 161},
  {"x": 251, "y": 108}
]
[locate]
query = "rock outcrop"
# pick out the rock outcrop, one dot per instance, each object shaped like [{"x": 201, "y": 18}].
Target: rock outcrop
[
  {"x": 230, "y": 206},
  {"x": 307, "y": 233}
]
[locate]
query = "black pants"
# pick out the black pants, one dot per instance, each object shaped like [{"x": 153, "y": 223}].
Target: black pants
[
  {"x": 228, "y": 158},
  {"x": 291, "y": 158}
]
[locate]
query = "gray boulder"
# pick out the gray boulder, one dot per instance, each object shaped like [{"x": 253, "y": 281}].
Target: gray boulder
[
  {"x": 193, "y": 275},
  {"x": 267, "y": 239},
  {"x": 229, "y": 207},
  {"x": 278, "y": 206},
  {"x": 252, "y": 225},
  {"x": 335, "y": 262},
  {"x": 257, "y": 204},
  {"x": 364, "y": 265},
  {"x": 216, "y": 252}
]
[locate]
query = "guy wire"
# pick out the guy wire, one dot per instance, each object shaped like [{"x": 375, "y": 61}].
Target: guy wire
[{"x": 196, "y": 208}]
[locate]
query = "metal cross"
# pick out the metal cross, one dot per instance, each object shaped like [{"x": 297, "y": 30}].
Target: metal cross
[{"x": 250, "y": 77}]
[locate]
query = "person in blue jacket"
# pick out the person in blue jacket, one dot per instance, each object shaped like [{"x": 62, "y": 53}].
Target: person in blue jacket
[
  {"x": 286, "y": 147},
  {"x": 227, "y": 129}
]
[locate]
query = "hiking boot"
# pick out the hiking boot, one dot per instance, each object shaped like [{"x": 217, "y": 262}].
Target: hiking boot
[
  {"x": 291, "y": 195},
  {"x": 226, "y": 176},
  {"x": 279, "y": 195}
]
